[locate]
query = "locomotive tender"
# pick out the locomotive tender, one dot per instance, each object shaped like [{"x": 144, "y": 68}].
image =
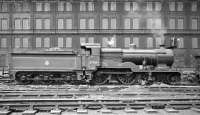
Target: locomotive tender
[{"x": 94, "y": 64}]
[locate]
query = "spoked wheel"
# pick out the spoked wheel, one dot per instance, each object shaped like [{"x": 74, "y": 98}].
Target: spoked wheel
[
  {"x": 23, "y": 78},
  {"x": 100, "y": 79},
  {"x": 48, "y": 79},
  {"x": 173, "y": 79},
  {"x": 126, "y": 79}
]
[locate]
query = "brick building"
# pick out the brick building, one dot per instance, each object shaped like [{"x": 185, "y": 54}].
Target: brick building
[{"x": 41, "y": 24}]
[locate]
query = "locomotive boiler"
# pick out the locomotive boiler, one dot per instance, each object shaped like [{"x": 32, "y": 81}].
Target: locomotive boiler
[{"x": 94, "y": 64}]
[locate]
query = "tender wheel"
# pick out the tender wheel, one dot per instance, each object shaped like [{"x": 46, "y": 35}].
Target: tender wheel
[
  {"x": 47, "y": 79},
  {"x": 100, "y": 79},
  {"x": 126, "y": 80},
  {"x": 174, "y": 79},
  {"x": 23, "y": 78}
]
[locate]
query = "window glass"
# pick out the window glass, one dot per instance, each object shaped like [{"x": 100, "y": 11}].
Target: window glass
[
  {"x": 38, "y": 42},
  {"x": 127, "y": 23},
  {"x": 68, "y": 23},
  {"x": 82, "y": 23},
  {"x": 4, "y": 24},
  {"x": 38, "y": 6},
  {"x": 105, "y": 23},
  {"x": 180, "y": 23},
  {"x": 25, "y": 42},
  {"x": 158, "y": 42},
  {"x": 4, "y": 7},
  {"x": 180, "y": 6},
  {"x": 135, "y": 23},
  {"x": 18, "y": 24},
  {"x": 38, "y": 23},
  {"x": 68, "y": 42},
  {"x": 46, "y": 42},
  {"x": 60, "y": 6},
  {"x": 18, "y": 7},
  {"x": 113, "y": 6},
  {"x": 46, "y": 6},
  {"x": 194, "y": 6},
  {"x": 3, "y": 42},
  {"x": 91, "y": 40},
  {"x": 136, "y": 41},
  {"x": 180, "y": 43},
  {"x": 194, "y": 42},
  {"x": 105, "y": 6},
  {"x": 17, "y": 43},
  {"x": 171, "y": 23},
  {"x": 82, "y": 6},
  {"x": 194, "y": 24},
  {"x": 113, "y": 23},
  {"x": 68, "y": 6},
  {"x": 149, "y": 42},
  {"x": 127, "y": 6},
  {"x": 157, "y": 23},
  {"x": 149, "y": 6},
  {"x": 60, "y": 23},
  {"x": 104, "y": 42},
  {"x": 26, "y": 24},
  {"x": 46, "y": 23},
  {"x": 90, "y": 6},
  {"x": 158, "y": 6},
  {"x": 135, "y": 6},
  {"x": 60, "y": 42},
  {"x": 172, "y": 6},
  {"x": 82, "y": 40},
  {"x": 126, "y": 42},
  {"x": 149, "y": 23},
  {"x": 91, "y": 23}
]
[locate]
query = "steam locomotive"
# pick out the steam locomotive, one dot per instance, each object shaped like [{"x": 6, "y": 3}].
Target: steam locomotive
[{"x": 95, "y": 65}]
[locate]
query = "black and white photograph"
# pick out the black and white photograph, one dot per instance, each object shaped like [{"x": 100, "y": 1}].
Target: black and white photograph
[{"x": 99, "y": 57}]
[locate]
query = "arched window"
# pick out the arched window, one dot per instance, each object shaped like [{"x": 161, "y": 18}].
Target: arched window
[{"x": 150, "y": 42}]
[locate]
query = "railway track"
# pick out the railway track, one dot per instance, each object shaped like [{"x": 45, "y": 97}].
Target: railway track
[{"x": 105, "y": 99}]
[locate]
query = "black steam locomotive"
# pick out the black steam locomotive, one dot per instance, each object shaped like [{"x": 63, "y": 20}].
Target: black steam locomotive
[{"x": 94, "y": 64}]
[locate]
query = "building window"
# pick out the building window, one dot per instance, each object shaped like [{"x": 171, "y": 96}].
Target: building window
[
  {"x": 136, "y": 41},
  {"x": 150, "y": 23},
  {"x": 194, "y": 6},
  {"x": 135, "y": 23},
  {"x": 86, "y": 40},
  {"x": 25, "y": 42},
  {"x": 108, "y": 42},
  {"x": 68, "y": 23},
  {"x": 149, "y": 6},
  {"x": 42, "y": 6},
  {"x": 60, "y": 42},
  {"x": 127, "y": 6},
  {"x": 180, "y": 23},
  {"x": 128, "y": 41},
  {"x": 127, "y": 23},
  {"x": 105, "y": 6},
  {"x": 38, "y": 42},
  {"x": 195, "y": 42},
  {"x": 105, "y": 23},
  {"x": 3, "y": 7},
  {"x": 157, "y": 23},
  {"x": 113, "y": 23},
  {"x": 25, "y": 23},
  {"x": 17, "y": 42},
  {"x": 18, "y": 24},
  {"x": 3, "y": 24},
  {"x": 179, "y": 6},
  {"x": 135, "y": 6},
  {"x": 82, "y": 6},
  {"x": 90, "y": 6},
  {"x": 113, "y": 6},
  {"x": 82, "y": 23},
  {"x": 150, "y": 42},
  {"x": 68, "y": 42},
  {"x": 158, "y": 41},
  {"x": 172, "y": 23},
  {"x": 47, "y": 42},
  {"x": 194, "y": 24},
  {"x": 64, "y": 6},
  {"x": 91, "y": 23},
  {"x": 172, "y": 6},
  {"x": 42, "y": 23},
  {"x": 180, "y": 43},
  {"x": 60, "y": 23},
  {"x": 3, "y": 42},
  {"x": 158, "y": 6}
]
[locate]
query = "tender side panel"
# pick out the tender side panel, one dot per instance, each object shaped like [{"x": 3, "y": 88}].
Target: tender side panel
[{"x": 44, "y": 62}]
